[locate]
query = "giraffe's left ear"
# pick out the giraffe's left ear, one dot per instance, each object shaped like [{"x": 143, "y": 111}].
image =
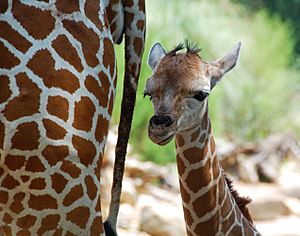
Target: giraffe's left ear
[
  {"x": 224, "y": 64},
  {"x": 157, "y": 52}
]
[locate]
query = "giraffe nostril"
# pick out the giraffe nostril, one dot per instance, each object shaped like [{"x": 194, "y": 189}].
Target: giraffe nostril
[{"x": 161, "y": 120}]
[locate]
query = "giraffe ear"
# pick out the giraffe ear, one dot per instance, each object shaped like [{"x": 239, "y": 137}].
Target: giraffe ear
[
  {"x": 224, "y": 64},
  {"x": 157, "y": 52}
]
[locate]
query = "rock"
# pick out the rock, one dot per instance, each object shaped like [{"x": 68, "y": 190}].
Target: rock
[
  {"x": 129, "y": 193},
  {"x": 288, "y": 173},
  {"x": 282, "y": 226},
  {"x": 267, "y": 200},
  {"x": 162, "y": 220},
  {"x": 125, "y": 216}
]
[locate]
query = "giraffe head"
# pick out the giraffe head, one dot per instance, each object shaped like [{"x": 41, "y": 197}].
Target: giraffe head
[{"x": 179, "y": 87}]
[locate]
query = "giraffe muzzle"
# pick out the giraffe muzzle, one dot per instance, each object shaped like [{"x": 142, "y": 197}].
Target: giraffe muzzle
[{"x": 161, "y": 129}]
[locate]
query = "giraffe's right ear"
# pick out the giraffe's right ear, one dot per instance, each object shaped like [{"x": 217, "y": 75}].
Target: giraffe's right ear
[{"x": 157, "y": 52}]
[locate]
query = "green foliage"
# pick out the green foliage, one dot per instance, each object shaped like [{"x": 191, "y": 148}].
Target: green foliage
[
  {"x": 288, "y": 11},
  {"x": 252, "y": 101}
]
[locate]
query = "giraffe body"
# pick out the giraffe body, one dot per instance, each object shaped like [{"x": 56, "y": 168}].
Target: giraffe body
[
  {"x": 179, "y": 87},
  {"x": 57, "y": 88}
]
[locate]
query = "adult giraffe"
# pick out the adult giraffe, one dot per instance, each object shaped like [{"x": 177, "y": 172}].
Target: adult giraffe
[
  {"x": 57, "y": 88},
  {"x": 178, "y": 88}
]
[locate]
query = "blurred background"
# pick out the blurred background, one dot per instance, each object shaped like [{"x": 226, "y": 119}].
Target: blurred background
[{"x": 255, "y": 114}]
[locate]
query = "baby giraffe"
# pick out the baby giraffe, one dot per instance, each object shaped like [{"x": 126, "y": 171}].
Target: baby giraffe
[{"x": 179, "y": 90}]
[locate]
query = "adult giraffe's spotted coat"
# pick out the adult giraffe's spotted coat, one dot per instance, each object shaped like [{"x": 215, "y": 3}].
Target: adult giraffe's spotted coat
[{"x": 57, "y": 88}]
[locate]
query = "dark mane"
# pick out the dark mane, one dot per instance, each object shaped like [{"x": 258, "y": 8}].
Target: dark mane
[
  {"x": 190, "y": 48},
  {"x": 179, "y": 47},
  {"x": 241, "y": 201}
]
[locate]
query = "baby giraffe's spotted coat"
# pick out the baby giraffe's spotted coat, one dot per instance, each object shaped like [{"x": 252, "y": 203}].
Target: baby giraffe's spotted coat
[{"x": 179, "y": 89}]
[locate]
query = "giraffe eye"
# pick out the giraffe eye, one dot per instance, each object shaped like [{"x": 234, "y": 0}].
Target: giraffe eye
[{"x": 200, "y": 96}]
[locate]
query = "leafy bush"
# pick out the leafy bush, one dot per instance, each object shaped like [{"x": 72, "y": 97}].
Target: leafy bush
[{"x": 254, "y": 99}]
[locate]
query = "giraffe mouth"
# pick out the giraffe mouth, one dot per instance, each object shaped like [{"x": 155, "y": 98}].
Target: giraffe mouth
[
  {"x": 160, "y": 139},
  {"x": 166, "y": 140}
]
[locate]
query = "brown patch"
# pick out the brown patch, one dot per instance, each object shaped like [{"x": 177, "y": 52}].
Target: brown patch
[
  {"x": 41, "y": 202},
  {"x": 24, "y": 178},
  {"x": 8, "y": 60},
  {"x": 205, "y": 203},
  {"x": 6, "y": 230},
  {"x": 97, "y": 226},
  {"x": 195, "y": 135},
  {"x": 187, "y": 216},
  {"x": 180, "y": 165},
  {"x": 34, "y": 164},
  {"x": 140, "y": 25},
  {"x": 86, "y": 150},
  {"x": 208, "y": 228},
  {"x": 228, "y": 223},
  {"x": 70, "y": 234},
  {"x": 222, "y": 191},
  {"x": 184, "y": 194},
  {"x": 194, "y": 154},
  {"x": 7, "y": 218},
  {"x": 70, "y": 168},
  {"x": 14, "y": 162},
  {"x": 79, "y": 216},
  {"x": 236, "y": 230},
  {"x": 64, "y": 48},
  {"x": 26, "y": 137},
  {"x": 111, "y": 103},
  {"x": 38, "y": 183},
  {"x": 27, "y": 102},
  {"x": 58, "y": 106},
  {"x": 9, "y": 182},
  {"x": 194, "y": 180},
  {"x": 109, "y": 55},
  {"x": 212, "y": 144},
  {"x": 101, "y": 128},
  {"x": 91, "y": 9},
  {"x": 202, "y": 138},
  {"x": 32, "y": 18},
  {"x": 89, "y": 40},
  {"x": 179, "y": 140},
  {"x": 67, "y": 6},
  {"x": 53, "y": 130},
  {"x": 138, "y": 45},
  {"x": 5, "y": 91},
  {"x": 49, "y": 222},
  {"x": 58, "y": 182},
  {"x": 23, "y": 232},
  {"x": 55, "y": 154},
  {"x": 2, "y": 135},
  {"x": 3, "y": 197},
  {"x": 100, "y": 92},
  {"x": 3, "y": 6},
  {"x": 241, "y": 201},
  {"x": 26, "y": 221},
  {"x": 91, "y": 187},
  {"x": 58, "y": 232},
  {"x": 12, "y": 36},
  {"x": 16, "y": 207},
  {"x": 216, "y": 167},
  {"x": 141, "y": 5},
  {"x": 75, "y": 193},
  {"x": 42, "y": 64},
  {"x": 84, "y": 113}
]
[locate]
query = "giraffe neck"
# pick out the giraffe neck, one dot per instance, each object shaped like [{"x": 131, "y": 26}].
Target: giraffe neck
[{"x": 209, "y": 206}]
